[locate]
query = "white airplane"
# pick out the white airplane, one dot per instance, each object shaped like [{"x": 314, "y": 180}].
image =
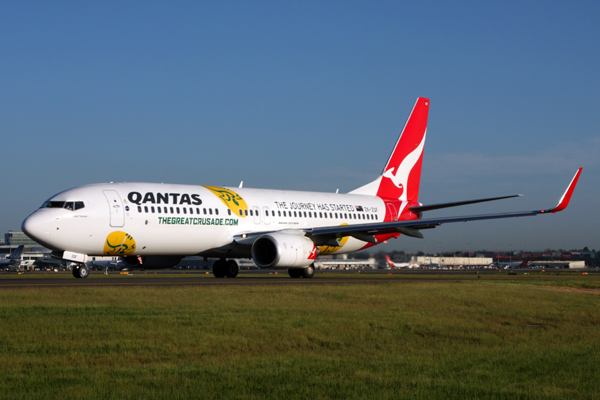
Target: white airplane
[
  {"x": 505, "y": 265},
  {"x": 14, "y": 259},
  {"x": 155, "y": 225},
  {"x": 390, "y": 264}
]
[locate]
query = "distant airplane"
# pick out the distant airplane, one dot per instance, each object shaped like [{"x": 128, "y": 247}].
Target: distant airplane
[
  {"x": 14, "y": 259},
  {"x": 390, "y": 264},
  {"x": 505, "y": 265},
  {"x": 105, "y": 264},
  {"x": 155, "y": 225}
]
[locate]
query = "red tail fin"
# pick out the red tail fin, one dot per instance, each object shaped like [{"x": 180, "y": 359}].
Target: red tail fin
[{"x": 402, "y": 173}]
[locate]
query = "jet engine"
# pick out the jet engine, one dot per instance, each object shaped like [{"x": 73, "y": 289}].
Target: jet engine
[
  {"x": 151, "y": 262},
  {"x": 283, "y": 250}
]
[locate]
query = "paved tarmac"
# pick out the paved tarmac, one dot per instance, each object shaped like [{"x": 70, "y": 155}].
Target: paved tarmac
[
  {"x": 262, "y": 277},
  {"x": 177, "y": 278}
]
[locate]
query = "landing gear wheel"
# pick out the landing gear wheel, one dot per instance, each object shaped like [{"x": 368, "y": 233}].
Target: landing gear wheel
[
  {"x": 84, "y": 271},
  {"x": 308, "y": 272},
  {"x": 231, "y": 269},
  {"x": 295, "y": 272},
  {"x": 219, "y": 269},
  {"x": 81, "y": 271}
]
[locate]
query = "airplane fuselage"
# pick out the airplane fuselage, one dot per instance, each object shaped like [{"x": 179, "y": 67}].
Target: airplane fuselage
[{"x": 165, "y": 219}]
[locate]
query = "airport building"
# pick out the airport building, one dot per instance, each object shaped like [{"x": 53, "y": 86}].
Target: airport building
[
  {"x": 424, "y": 261},
  {"x": 15, "y": 239}
]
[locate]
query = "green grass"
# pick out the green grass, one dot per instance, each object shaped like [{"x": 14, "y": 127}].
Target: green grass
[{"x": 416, "y": 339}]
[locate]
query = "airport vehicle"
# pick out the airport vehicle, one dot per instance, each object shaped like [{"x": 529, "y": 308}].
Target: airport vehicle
[
  {"x": 14, "y": 258},
  {"x": 390, "y": 264},
  {"x": 155, "y": 225}
]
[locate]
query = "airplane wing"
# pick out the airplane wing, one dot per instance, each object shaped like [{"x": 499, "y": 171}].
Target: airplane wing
[{"x": 367, "y": 232}]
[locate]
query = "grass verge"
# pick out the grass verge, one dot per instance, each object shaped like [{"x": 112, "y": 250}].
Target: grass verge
[{"x": 477, "y": 339}]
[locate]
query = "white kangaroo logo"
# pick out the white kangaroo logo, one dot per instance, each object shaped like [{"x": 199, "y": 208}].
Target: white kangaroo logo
[{"x": 400, "y": 178}]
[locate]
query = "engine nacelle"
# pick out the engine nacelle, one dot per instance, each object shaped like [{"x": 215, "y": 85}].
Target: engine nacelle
[
  {"x": 283, "y": 250},
  {"x": 151, "y": 262}
]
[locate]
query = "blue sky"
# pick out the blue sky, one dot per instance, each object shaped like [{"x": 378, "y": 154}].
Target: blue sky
[{"x": 310, "y": 96}]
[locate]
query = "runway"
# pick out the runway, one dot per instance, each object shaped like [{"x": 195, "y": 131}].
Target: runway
[{"x": 200, "y": 279}]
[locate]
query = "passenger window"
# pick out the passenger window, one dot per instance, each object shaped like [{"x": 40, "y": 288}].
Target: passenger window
[
  {"x": 251, "y": 213},
  {"x": 279, "y": 212},
  {"x": 152, "y": 208},
  {"x": 139, "y": 208},
  {"x": 216, "y": 211},
  {"x": 159, "y": 210},
  {"x": 177, "y": 209},
  {"x": 320, "y": 215},
  {"x": 79, "y": 205},
  {"x": 228, "y": 211},
  {"x": 172, "y": 210},
  {"x": 241, "y": 213},
  {"x": 184, "y": 210},
  {"x": 210, "y": 211},
  {"x": 198, "y": 211},
  {"x": 330, "y": 215},
  {"x": 204, "y": 209},
  {"x": 145, "y": 208},
  {"x": 295, "y": 214},
  {"x": 166, "y": 210},
  {"x": 304, "y": 214}
]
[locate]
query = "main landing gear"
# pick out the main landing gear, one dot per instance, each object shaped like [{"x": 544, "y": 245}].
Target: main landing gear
[
  {"x": 307, "y": 272},
  {"x": 81, "y": 271},
  {"x": 223, "y": 268}
]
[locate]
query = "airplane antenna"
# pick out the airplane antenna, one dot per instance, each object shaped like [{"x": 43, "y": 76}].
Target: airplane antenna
[
  {"x": 337, "y": 191},
  {"x": 241, "y": 184}
]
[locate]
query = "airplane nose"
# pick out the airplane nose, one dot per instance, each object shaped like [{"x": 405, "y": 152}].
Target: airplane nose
[{"x": 37, "y": 227}]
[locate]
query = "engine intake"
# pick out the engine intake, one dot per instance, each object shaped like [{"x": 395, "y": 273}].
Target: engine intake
[{"x": 283, "y": 250}]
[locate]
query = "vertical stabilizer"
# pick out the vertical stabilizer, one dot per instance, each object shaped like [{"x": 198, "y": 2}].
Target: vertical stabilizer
[{"x": 401, "y": 175}]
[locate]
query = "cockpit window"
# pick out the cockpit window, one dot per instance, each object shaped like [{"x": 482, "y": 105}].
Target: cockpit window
[
  {"x": 55, "y": 204},
  {"x": 68, "y": 205}
]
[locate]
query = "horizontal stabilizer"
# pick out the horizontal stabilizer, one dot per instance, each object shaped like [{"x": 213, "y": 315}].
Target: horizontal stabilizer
[{"x": 418, "y": 209}]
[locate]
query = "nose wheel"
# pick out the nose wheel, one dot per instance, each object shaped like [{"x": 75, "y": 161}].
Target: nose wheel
[{"x": 81, "y": 271}]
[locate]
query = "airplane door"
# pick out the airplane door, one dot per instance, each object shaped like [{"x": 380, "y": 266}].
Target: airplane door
[
  {"x": 393, "y": 212},
  {"x": 266, "y": 213},
  {"x": 117, "y": 214}
]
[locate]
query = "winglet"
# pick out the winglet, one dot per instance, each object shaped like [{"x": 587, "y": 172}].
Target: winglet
[{"x": 564, "y": 200}]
